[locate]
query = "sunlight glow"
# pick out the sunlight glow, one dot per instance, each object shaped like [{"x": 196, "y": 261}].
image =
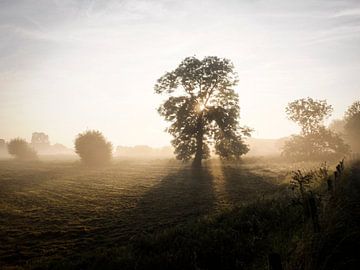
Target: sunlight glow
[{"x": 200, "y": 107}]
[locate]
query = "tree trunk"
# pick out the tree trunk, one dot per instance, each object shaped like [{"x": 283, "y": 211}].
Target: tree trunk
[{"x": 199, "y": 143}]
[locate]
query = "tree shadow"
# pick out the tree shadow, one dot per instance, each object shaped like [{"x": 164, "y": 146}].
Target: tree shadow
[
  {"x": 182, "y": 195},
  {"x": 189, "y": 193},
  {"x": 243, "y": 185}
]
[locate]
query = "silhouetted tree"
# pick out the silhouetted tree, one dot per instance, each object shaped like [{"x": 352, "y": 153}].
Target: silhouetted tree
[
  {"x": 40, "y": 141},
  {"x": 40, "y": 138},
  {"x": 352, "y": 126},
  {"x": 203, "y": 108},
  {"x": 93, "y": 148},
  {"x": 21, "y": 150},
  {"x": 315, "y": 141},
  {"x": 308, "y": 113}
]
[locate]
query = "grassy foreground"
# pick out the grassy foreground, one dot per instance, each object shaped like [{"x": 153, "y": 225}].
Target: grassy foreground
[
  {"x": 58, "y": 209},
  {"x": 164, "y": 215}
]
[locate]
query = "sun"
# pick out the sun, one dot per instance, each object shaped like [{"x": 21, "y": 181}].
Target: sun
[{"x": 200, "y": 107}]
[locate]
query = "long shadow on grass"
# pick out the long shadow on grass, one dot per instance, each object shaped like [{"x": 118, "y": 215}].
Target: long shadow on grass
[
  {"x": 243, "y": 185},
  {"x": 180, "y": 196},
  {"x": 189, "y": 193}
]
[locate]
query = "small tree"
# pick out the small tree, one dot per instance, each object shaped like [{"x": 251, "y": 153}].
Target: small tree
[
  {"x": 21, "y": 150},
  {"x": 315, "y": 141},
  {"x": 203, "y": 108},
  {"x": 352, "y": 126},
  {"x": 93, "y": 148},
  {"x": 40, "y": 138}
]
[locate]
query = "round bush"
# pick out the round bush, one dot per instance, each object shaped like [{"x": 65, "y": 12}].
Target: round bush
[
  {"x": 93, "y": 148},
  {"x": 20, "y": 149}
]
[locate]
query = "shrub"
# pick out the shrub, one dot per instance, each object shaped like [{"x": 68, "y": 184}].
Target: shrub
[
  {"x": 320, "y": 145},
  {"x": 93, "y": 148},
  {"x": 21, "y": 150}
]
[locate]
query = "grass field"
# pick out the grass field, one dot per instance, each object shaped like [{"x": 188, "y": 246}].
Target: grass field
[{"x": 54, "y": 209}]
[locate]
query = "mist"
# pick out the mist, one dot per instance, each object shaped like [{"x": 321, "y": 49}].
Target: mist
[{"x": 179, "y": 134}]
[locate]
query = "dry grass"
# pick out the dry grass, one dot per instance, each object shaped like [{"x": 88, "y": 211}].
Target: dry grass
[{"x": 55, "y": 209}]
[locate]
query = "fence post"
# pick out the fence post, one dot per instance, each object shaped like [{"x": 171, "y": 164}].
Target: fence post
[
  {"x": 314, "y": 213},
  {"x": 330, "y": 185},
  {"x": 336, "y": 175},
  {"x": 275, "y": 262}
]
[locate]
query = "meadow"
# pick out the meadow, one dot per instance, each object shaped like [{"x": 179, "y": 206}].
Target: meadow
[
  {"x": 58, "y": 208},
  {"x": 162, "y": 214}
]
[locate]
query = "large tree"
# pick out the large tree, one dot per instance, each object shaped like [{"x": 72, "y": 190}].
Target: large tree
[{"x": 203, "y": 108}]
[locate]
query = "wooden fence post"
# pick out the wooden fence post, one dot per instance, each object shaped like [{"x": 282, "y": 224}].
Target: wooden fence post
[
  {"x": 314, "y": 213},
  {"x": 336, "y": 175},
  {"x": 275, "y": 262},
  {"x": 330, "y": 185}
]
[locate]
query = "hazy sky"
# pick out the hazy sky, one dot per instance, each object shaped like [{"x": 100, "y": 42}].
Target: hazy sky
[{"x": 66, "y": 66}]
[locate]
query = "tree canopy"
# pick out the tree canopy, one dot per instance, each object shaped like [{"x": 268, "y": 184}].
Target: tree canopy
[
  {"x": 353, "y": 110},
  {"x": 40, "y": 138},
  {"x": 40, "y": 141},
  {"x": 203, "y": 109},
  {"x": 308, "y": 113}
]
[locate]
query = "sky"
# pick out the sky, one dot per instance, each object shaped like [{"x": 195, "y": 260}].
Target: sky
[{"x": 67, "y": 66}]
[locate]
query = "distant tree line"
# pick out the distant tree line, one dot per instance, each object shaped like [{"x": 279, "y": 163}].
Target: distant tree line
[{"x": 39, "y": 144}]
